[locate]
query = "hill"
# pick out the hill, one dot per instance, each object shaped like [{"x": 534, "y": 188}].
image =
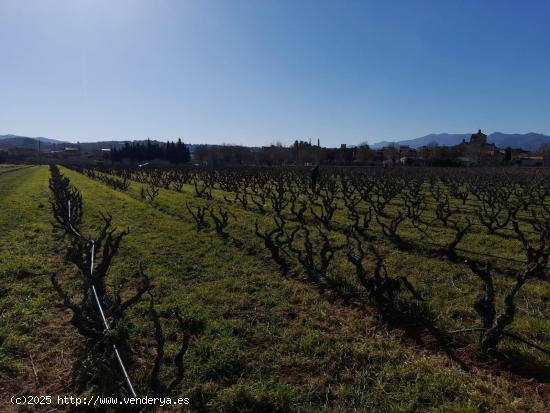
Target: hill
[
  {"x": 441, "y": 139},
  {"x": 528, "y": 141},
  {"x": 25, "y": 142}
]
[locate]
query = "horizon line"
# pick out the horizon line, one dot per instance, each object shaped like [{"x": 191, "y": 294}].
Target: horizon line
[{"x": 273, "y": 143}]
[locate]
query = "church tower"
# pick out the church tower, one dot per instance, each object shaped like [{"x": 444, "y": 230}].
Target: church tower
[{"x": 479, "y": 138}]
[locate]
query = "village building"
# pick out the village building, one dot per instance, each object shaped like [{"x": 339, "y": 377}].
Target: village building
[
  {"x": 478, "y": 150},
  {"x": 531, "y": 160}
]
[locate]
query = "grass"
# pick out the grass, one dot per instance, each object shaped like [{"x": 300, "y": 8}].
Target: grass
[
  {"x": 442, "y": 282},
  {"x": 270, "y": 344},
  {"x": 29, "y": 332}
]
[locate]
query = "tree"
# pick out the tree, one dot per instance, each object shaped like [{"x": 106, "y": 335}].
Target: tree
[
  {"x": 364, "y": 153},
  {"x": 545, "y": 152},
  {"x": 508, "y": 154},
  {"x": 182, "y": 151}
]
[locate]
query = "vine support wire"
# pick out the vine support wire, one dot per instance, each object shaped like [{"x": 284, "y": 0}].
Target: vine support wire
[{"x": 98, "y": 302}]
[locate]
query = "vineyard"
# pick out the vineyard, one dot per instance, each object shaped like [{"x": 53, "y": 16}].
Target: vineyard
[{"x": 278, "y": 289}]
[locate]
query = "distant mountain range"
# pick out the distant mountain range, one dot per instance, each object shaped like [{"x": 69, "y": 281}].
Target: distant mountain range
[
  {"x": 42, "y": 139},
  {"x": 528, "y": 141},
  {"x": 24, "y": 142},
  {"x": 14, "y": 141}
]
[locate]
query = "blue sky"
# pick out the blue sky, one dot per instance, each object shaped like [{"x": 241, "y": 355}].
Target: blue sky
[{"x": 256, "y": 72}]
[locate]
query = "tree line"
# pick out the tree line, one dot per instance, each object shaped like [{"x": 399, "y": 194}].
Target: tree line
[
  {"x": 173, "y": 152},
  {"x": 299, "y": 153}
]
